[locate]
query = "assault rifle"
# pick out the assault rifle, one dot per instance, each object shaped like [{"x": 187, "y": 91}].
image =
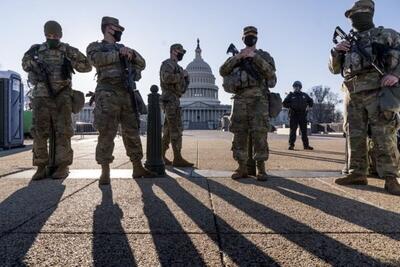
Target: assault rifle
[
  {"x": 44, "y": 73},
  {"x": 130, "y": 85},
  {"x": 246, "y": 63},
  {"x": 353, "y": 39}
]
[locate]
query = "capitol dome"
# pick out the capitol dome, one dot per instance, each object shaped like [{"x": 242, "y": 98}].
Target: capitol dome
[
  {"x": 202, "y": 81},
  {"x": 201, "y": 108}
]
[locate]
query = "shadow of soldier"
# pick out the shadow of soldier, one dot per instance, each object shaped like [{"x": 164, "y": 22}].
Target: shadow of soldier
[
  {"x": 319, "y": 244},
  {"x": 179, "y": 249},
  {"x": 22, "y": 216},
  {"x": 375, "y": 219},
  {"x": 110, "y": 243}
]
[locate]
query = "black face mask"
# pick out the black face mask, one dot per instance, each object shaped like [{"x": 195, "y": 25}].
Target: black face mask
[
  {"x": 362, "y": 21},
  {"x": 117, "y": 35},
  {"x": 52, "y": 43},
  {"x": 250, "y": 40},
  {"x": 179, "y": 56}
]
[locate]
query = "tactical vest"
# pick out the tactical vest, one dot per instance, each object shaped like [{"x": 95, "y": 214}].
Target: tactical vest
[
  {"x": 243, "y": 78},
  {"x": 111, "y": 73},
  {"x": 173, "y": 90},
  {"x": 178, "y": 88},
  {"x": 359, "y": 74},
  {"x": 55, "y": 61}
]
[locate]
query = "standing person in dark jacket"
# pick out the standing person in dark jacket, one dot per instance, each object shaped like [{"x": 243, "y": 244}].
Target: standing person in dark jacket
[{"x": 298, "y": 104}]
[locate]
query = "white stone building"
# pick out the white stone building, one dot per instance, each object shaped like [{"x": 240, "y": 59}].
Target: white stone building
[
  {"x": 201, "y": 108},
  {"x": 281, "y": 119},
  {"x": 86, "y": 114}
]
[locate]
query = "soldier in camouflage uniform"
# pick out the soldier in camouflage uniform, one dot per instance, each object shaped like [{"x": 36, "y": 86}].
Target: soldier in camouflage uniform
[
  {"x": 52, "y": 106},
  {"x": 113, "y": 104},
  {"x": 251, "y": 72},
  {"x": 362, "y": 85},
  {"x": 174, "y": 81}
]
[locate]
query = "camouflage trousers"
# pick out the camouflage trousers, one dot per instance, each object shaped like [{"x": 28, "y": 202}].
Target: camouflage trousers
[
  {"x": 48, "y": 112},
  {"x": 113, "y": 108},
  {"x": 250, "y": 116},
  {"x": 172, "y": 129},
  {"x": 362, "y": 109}
]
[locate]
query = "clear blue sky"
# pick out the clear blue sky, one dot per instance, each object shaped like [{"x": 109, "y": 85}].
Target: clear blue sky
[{"x": 297, "y": 33}]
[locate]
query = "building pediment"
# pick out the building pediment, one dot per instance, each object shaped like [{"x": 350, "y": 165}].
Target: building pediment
[{"x": 197, "y": 104}]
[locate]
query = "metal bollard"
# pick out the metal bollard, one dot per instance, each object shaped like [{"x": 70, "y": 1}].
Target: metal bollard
[{"x": 154, "y": 161}]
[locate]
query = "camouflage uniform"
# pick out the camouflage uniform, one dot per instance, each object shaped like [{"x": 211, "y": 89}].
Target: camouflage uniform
[
  {"x": 113, "y": 104},
  {"x": 250, "y": 105},
  {"x": 362, "y": 84},
  {"x": 47, "y": 110},
  {"x": 173, "y": 86}
]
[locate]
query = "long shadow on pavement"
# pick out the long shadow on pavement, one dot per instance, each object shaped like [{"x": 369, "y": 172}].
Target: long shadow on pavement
[
  {"x": 319, "y": 244},
  {"x": 197, "y": 211},
  {"x": 36, "y": 201},
  {"x": 171, "y": 247},
  {"x": 110, "y": 243},
  {"x": 362, "y": 214}
]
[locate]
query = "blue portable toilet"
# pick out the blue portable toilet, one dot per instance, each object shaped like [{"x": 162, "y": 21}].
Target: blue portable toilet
[{"x": 11, "y": 110}]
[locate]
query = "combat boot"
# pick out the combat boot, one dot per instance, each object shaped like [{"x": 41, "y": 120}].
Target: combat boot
[
  {"x": 291, "y": 147},
  {"x": 241, "y": 171},
  {"x": 261, "y": 173},
  {"x": 166, "y": 161},
  {"x": 392, "y": 186},
  {"x": 179, "y": 161},
  {"x": 141, "y": 172},
  {"x": 61, "y": 172},
  {"x": 308, "y": 148},
  {"x": 105, "y": 175},
  {"x": 40, "y": 173},
  {"x": 352, "y": 179}
]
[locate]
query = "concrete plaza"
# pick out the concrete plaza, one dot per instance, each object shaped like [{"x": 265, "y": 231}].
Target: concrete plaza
[{"x": 300, "y": 217}]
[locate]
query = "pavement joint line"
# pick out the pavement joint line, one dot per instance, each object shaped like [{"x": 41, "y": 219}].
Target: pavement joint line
[
  {"x": 4, "y": 234},
  {"x": 221, "y": 254},
  {"x": 349, "y": 194},
  {"x": 307, "y": 156},
  {"x": 15, "y": 172}
]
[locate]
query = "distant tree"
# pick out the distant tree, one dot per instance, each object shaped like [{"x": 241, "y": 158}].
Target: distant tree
[
  {"x": 338, "y": 116},
  {"x": 325, "y": 101}
]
